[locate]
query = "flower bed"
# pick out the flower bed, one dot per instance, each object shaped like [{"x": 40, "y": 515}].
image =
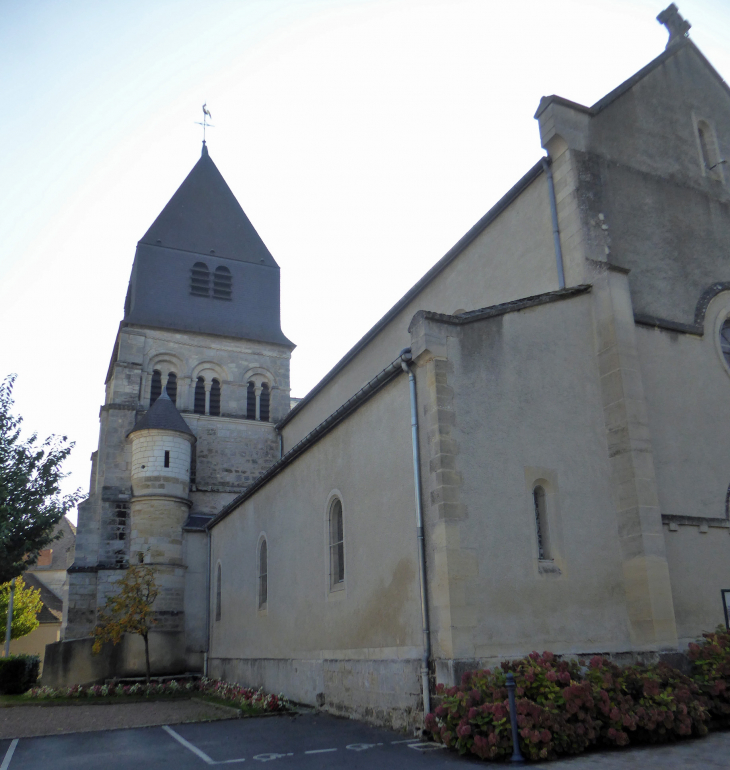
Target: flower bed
[
  {"x": 245, "y": 698},
  {"x": 565, "y": 708}
]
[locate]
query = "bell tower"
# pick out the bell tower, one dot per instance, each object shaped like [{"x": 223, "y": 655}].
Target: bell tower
[{"x": 200, "y": 348}]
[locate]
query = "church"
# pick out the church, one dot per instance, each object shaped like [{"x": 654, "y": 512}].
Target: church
[{"x": 527, "y": 452}]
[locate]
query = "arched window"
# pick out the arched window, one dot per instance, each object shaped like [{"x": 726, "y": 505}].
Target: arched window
[
  {"x": 541, "y": 523},
  {"x": 218, "y": 594},
  {"x": 725, "y": 340},
  {"x": 263, "y": 574},
  {"x": 708, "y": 149},
  {"x": 199, "y": 400},
  {"x": 215, "y": 398},
  {"x": 171, "y": 386},
  {"x": 156, "y": 387},
  {"x": 222, "y": 283},
  {"x": 251, "y": 401},
  {"x": 264, "y": 403},
  {"x": 200, "y": 280},
  {"x": 337, "y": 545}
]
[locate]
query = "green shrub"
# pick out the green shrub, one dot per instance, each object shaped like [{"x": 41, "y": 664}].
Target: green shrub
[
  {"x": 18, "y": 673},
  {"x": 645, "y": 704},
  {"x": 711, "y": 671}
]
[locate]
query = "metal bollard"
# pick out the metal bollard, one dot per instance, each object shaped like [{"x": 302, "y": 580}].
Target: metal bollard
[{"x": 516, "y": 754}]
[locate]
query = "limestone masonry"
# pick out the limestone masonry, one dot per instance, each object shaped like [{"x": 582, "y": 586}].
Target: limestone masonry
[{"x": 538, "y": 459}]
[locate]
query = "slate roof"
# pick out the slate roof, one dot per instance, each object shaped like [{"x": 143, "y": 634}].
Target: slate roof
[
  {"x": 162, "y": 415},
  {"x": 52, "y": 610},
  {"x": 204, "y": 217}
]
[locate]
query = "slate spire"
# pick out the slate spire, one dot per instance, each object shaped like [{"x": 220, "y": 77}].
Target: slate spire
[{"x": 204, "y": 217}]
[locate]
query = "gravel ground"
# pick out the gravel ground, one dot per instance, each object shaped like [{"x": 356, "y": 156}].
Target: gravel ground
[{"x": 33, "y": 721}]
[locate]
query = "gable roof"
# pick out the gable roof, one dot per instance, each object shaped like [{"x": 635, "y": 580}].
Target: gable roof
[
  {"x": 628, "y": 84},
  {"x": 52, "y": 609},
  {"x": 162, "y": 415},
  {"x": 204, "y": 217}
]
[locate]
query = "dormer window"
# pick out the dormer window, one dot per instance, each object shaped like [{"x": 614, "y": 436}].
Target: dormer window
[
  {"x": 200, "y": 280},
  {"x": 222, "y": 283}
]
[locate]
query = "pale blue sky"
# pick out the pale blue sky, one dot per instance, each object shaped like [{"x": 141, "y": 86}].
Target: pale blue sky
[{"x": 362, "y": 137}]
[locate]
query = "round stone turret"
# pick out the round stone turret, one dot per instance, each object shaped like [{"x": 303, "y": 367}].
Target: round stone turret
[{"x": 161, "y": 450}]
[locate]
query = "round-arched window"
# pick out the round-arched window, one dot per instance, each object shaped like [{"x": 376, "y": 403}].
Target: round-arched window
[{"x": 725, "y": 340}]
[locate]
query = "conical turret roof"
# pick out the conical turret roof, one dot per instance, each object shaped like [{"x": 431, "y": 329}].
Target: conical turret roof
[
  {"x": 204, "y": 217},
  {"x": 162, "y": 415}
]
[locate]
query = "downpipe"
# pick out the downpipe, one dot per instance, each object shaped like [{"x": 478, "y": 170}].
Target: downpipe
[
  {"x": 207, "y": 612},
  {"x": 425, "y": 623},
  {"x": 554, "y": 216}
]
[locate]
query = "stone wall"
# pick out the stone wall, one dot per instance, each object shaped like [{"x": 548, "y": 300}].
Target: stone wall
[{"x": 384, "y": 692}]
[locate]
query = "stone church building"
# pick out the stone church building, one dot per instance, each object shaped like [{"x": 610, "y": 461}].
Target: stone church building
[{"x": 528, "y": 451}]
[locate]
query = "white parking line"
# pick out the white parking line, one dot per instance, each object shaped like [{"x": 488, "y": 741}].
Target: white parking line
[
  {"x": 426, "y": 746},
  {"x": 411, "y": 743},
  {"x": 9, "y": 754},
  {"x": 189, "y": 746}
]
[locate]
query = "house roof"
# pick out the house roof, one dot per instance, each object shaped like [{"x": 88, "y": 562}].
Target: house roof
[
  {"x": 204, "y": 217},
  {"x": 162, "y": 415},
  {"x": 52, "y": 610}
]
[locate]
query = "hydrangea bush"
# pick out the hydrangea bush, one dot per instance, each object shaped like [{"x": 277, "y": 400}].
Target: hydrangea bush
[
  {"x": 235, "y": 694},
  {"x": 565, "y": 708},
  {"x": 711, "y": 671}
]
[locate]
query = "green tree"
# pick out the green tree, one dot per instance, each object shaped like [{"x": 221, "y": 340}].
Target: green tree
[
  {"x": 26, "y": 606},
  {"x": 31, "y": 503},
  {"x": 129, "y": 611}
]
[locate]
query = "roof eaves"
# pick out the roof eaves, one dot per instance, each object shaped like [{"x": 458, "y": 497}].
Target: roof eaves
[
  {"x": 352, "y": 404},
  {"x": 506, "y": 307},
  {"x": 546, "y": 101},
  {"x": 418, "y": 287},
  {"x": 627, "y": 85}
]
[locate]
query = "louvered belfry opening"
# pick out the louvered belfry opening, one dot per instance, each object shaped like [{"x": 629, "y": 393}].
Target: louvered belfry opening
[
  {"x": 264, "y": 405},
  {"x": 171, "y": 386},
  {"x": 215, "y": 398},
  {"x": 156, "y": 387},
  {"x": 200, "y": 280},
  {"x": 199, "y": 402},
  {"x": 251, "y": 401},
  {"x": 222, "y": 283}
]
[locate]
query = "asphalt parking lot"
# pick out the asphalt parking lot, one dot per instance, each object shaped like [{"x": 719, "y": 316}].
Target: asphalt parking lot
[
  {"x": 310, "y": 741},
  {"x": 302, "y": 741}
]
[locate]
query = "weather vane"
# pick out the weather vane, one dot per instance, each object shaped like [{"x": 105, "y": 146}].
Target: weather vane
[{"x": 205, "y": 124}]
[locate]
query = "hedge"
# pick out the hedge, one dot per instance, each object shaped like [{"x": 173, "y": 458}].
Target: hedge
[
  {"x": 18, "y": 673},
  {"x": 565, "y": 708}
]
